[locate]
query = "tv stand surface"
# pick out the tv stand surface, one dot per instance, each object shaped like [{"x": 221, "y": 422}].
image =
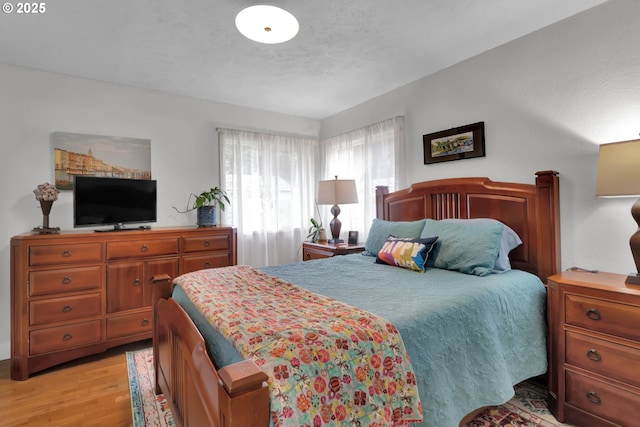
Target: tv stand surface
[
  {"x": 75, "y": 293},
  {"x": 122, "y": 227}
]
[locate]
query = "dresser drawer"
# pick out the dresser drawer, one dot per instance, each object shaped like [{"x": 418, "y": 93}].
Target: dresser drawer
[
  {"x": 142, "y": 248},
  {"x": 64, "y": 254},
  {"x": 316, "y": 253},
  {"x": 130, "y": 324},
  {"x": 63, "y": 309},
  {"x": 206, "y": 243},
  {"x": 200, "y": 262},
  {"x": 606, "y": 358},
  {"x": 67, "y": 280},
  {"x": 605, "y": 400},
  {"x": 604, "y": 316},
  {"x": 64, "y": 337}
]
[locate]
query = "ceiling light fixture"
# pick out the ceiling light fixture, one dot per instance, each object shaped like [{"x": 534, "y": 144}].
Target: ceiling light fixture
[{"x": 267, "y": 24}]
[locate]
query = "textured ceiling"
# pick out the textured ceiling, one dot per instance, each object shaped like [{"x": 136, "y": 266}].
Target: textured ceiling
[{"x": 347, "y": 51}]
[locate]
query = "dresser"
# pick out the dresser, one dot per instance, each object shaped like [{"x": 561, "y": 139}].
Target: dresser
[
  {"x": 79, "y": 293},
  {"x": 312, "y": 250},
  {"x": 594, "y": 346}
]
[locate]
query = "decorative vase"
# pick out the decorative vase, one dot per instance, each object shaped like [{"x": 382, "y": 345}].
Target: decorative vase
[
  {"x": 46, "y": 205},
  {"x": 322, "y": 236}
]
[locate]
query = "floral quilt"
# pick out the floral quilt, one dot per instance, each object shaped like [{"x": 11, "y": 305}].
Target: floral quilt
[{"x": 328, "y": 363}]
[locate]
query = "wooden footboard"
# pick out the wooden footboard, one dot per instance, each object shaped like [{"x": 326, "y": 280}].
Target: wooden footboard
[{"x": 197, "y": 393}]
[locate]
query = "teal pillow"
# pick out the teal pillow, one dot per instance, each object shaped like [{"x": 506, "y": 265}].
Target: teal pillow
[
  {"x": 508, "y": 242},
  {"x": 381, "y": 230},
  {"x": 470, "y": 248}
]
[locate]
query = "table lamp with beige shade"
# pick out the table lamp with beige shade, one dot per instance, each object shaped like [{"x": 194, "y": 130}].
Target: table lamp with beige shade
[
  {"x": 619, "y": 176},
  {"x": 335, "y": 192}
]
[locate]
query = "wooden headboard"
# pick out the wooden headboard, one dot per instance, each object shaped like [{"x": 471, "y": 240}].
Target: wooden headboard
[{"x": 532, "y": 211}]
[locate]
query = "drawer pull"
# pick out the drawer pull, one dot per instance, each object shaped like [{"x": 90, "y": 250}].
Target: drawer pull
[
  {"x": 144, "y": 248},
  {"x": 593, "y": 397},
  {"x": 66, "y": 253},
  {"x": 207, "y": 264},
  {"x": 593, "y": 314},
  {"x": 144, "y": 322},
  {"x": 67, "y": 337},
  {"x": 594, "y": 355},
  {"x": 67, "y": 308},
  {"x": 207, "y": 243},
  {"x": 137, "y": 282},
  {"x": 160, "y": 278},
  {"x": 66, "y": 280}
]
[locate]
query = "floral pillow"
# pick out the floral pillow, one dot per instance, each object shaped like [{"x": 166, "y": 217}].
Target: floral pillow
[{"x": 407, "y": 253}]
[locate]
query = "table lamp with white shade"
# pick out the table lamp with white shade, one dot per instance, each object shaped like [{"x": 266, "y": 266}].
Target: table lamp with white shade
[{"x": 335, "y": 192}]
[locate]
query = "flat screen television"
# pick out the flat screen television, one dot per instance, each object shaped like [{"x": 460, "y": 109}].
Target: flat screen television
[{"x": 101, "y": 201}]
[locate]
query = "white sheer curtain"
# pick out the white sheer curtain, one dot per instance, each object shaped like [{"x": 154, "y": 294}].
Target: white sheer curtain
[
  {"x": 372, "y": 155},
  {"x": 271, "y": 181}
]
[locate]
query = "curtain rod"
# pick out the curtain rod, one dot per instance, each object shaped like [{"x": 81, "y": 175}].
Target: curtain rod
[
  {"x": 363, "y": 127},
  {"x": 267, "y": 131}
]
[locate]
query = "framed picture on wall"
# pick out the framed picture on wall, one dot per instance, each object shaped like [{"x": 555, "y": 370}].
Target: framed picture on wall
[
  {"x": 98, "y": 155},
  {"x": 463, "y": 142}
]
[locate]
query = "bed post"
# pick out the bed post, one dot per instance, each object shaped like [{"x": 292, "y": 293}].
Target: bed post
[
  {"x": 548, "y": 223},
  {"x": 381, "y": 191}
]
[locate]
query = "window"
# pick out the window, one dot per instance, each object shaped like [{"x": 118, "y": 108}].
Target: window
[
  {"x": 370, "y": 155},
  {"x": 271, "y": 181}
]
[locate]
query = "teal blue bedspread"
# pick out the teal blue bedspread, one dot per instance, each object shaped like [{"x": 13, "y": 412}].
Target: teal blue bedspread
[{"x": 470, "y": 338}]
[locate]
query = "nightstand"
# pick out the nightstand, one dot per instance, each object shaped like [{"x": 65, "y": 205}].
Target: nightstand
[
  {"x": 594, "y": 362},
  {"x": 327, "y": 250}
]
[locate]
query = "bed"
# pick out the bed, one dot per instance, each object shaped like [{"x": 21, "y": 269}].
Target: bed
[{"x": 236, "y": 392}]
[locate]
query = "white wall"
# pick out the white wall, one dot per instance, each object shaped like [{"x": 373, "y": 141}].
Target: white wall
[
  {"x": 184, "y": 147},
  {"x": 547, "y": 100}
]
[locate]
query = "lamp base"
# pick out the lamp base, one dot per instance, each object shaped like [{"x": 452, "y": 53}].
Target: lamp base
[
  {"x": 633, "y": 279},
  {"x": 335, "y": 225},
  {"x": 634, "y": 244}
]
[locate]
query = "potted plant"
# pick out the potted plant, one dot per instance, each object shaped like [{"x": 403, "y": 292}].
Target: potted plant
[
  {"x": 207, "y": 204},
  {"x": 316, "y": 231}
]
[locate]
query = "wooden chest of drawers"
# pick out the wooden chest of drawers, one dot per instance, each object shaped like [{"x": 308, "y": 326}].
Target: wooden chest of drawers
[
  {"x": 207, "y": 251},
  {"x": 78, "y": 293},
  {"x": 594, "y": 366}
]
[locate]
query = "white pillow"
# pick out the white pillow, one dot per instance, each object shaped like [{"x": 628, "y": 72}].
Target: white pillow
[{"x": 508, "y": 241}]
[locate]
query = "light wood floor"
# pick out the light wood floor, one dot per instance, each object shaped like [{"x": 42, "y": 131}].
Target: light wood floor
[{"x": 91, "y": 392}]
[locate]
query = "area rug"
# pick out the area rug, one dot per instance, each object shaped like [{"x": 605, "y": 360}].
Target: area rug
[
  {"x": 527, "y": 409},
  {"x": 147, "y": 409}
]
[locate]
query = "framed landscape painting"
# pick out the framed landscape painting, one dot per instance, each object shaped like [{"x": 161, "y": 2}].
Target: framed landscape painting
[
  {"x": 98, "y": 155},
  {"x": 463, "y": 142}
]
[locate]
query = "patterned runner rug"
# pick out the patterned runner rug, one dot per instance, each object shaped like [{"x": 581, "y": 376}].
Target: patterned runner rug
[
  {"x": 147, "y": 409},
  {"x": 527, "y": 409}
]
